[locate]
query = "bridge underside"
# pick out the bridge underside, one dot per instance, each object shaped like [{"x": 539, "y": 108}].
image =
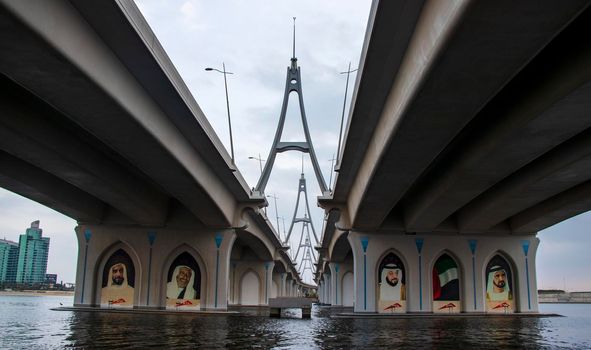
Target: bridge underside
[
  {"x": 468, "y": 134},
  {"x": 96, "y": 123},
  {"x": 100, "y": 127},
  {"x": 482, "y": 125}
]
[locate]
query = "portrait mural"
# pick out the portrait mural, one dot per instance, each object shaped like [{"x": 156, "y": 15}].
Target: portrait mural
[
  {"x": 183, "y": 283},
  {"x": 446, "y": 285},
  {"x": 499, "y": 286},
  {"x": 391, "y": 285},
  {"x": 118, "y": 281}
]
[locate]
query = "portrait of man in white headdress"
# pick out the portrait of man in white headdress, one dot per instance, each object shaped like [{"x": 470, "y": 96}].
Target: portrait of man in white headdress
[
  {"x": 499, "y": 294},
  {"x": 181, "y": 285},
  {"x": 117, "y": 283},
  {"x": 391, "y": 285},
  {"x": 497, "y": 288}
]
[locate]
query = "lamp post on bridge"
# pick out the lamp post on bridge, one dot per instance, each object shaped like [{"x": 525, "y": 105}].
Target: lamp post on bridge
[
  {"x": 276, "y": 214},
  {"x": 348, "y": 72},
  {"x": 260, "y": 162},
  {"x": 224, "y": 72}
]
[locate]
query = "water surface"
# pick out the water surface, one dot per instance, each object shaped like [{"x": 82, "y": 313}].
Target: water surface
[{"x": 27, "y": 323}]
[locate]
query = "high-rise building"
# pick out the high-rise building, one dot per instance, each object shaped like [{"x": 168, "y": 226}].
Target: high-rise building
[
  {"x": 32, "y": 256},
  {"x": 8, "y": 260}
]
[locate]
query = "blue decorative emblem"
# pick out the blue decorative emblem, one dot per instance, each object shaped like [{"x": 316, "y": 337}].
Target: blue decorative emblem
[
  {"x": 151, "y": 237},
  {"x": 218, "y": 240},
  {"x": 87, "y": 235},
  {"x": 525, "y": 246},
  {"x": 419, "y": 242},
  {"x": 364, "y": 243},
  {"x": 472, "y": 243}
]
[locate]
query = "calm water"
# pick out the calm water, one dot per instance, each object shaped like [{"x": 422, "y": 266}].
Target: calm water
[{"x": 27, "y": 323}]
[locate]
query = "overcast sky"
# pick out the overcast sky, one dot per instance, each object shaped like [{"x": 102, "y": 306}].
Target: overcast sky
[{"x": 254, "y": 39}]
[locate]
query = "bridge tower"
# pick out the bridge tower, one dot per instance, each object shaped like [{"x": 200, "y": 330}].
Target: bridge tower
[
  {"x": 307, "y": 263},
  {"x": 293, "y": 83},
  {"x": 305, "y": 242}
]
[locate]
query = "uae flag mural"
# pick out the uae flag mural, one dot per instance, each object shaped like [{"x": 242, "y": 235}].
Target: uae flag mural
[{"x": 446, "y": 285}]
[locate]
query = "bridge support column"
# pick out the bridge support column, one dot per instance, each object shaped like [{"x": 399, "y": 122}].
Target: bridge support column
[
  {"x": 364, "y": 276},
  {"x": 282, "y": 285},
  {"x": 220, "y": 274},
  {"x": 147, "y": 256},
  {"x": 336, "y": 292},
  {"x": 268, "y": 281},
  {"x": 475, "y": 258},
  {"x": 327, "y": 288}
]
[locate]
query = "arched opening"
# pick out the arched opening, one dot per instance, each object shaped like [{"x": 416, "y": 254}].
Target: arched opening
[
  {"x": 250, "y": 289},
  {"x": 446, "y": 285},
  {"x": 118, "y": 281},
  {"x": 348, "y": 290},
  {"x": 499, "y": 285},
  {"x": 289, "y": 285},
  {"x": 278, "y": 279},
  {"x": 250, "y": 254},
  {"x": 274, "y": 289},
  {"x": 183, "y": 283},
  {"x": 341, "y": 262},
  {"x": 391, "y": 285}
]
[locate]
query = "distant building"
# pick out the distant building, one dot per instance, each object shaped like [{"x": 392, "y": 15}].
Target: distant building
[
  {"x": 50, "y": 278},
  {"x": 8, "y": 261},
  {"x": 32, "y": 256}
]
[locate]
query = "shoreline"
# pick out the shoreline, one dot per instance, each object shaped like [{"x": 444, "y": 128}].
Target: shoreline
[{"x": 38, "y": 293}]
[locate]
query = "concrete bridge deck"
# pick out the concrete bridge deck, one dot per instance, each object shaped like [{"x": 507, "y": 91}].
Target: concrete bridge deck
[{"x": 278, "y": 304}]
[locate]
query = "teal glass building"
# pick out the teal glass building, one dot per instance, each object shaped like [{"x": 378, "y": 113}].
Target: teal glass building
[
  {"x": 32, "y": 256},
  {"x": 8, "y": 261}
]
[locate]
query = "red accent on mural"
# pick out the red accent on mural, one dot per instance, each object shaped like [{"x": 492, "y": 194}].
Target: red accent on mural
[
  {"x": 184, "y": 303},
  {"x": 393, "y": 306},
  {"x": 448, "y": 306},
  {"x": 502, "y": 305}
]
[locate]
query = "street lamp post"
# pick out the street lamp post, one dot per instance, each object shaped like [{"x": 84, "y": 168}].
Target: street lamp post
[
  {"x": 260, "y": 162},
  {"x": 224, "y": 72},
  {"x": 348, "y": 72},
  {"x": 276, "y": 214},
  {"x": 331, "y": 171}
]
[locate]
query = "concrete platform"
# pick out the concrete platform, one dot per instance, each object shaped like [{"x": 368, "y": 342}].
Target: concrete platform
[
  {"x": 276, "y": 305},
  {"x": 147, "y": 311},
  {"x": 441, "y": 316}
]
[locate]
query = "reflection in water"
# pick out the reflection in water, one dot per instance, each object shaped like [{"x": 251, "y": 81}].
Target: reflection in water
[{"x": 27, "y": 323}]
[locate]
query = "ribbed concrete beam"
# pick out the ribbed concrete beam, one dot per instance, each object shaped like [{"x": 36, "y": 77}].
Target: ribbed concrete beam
[
  {"x": 61, "y": 59},
  {"x": 390, "y": 27},
  {"x": 557, "y": 171},
  {"x": 563, "y": 206},
  {"x": 460, "y": 56},
  {"x": 31, "y": 131},
  {"x": 544, "y": 105},
  {"x": 34, "y": 183}
]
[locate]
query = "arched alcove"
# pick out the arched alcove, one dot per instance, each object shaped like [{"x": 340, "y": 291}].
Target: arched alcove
[
  {"x": 183, "y": 283},
  {"x": 445, "y": 284},
  {"x": 391, "y": 285},
  {"x": 250, "y": 288},
  {"x": 348, "y": 289},
  {"x": 118, "y": 277},
  {"x": 183, "y": 255},
  {"x": 499, "y": 284},
  {"x": 274, "y": 289}
]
